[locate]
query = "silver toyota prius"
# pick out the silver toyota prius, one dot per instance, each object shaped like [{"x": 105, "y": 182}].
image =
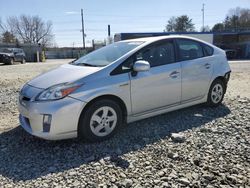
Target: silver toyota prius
[{"x": 93, "y": 96}]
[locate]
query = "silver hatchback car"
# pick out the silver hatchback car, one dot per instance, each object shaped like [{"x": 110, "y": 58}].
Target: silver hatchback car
[{"x": 130, "y": 80}]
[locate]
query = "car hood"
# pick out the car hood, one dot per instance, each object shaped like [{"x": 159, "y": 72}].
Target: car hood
[
  {"x": 2, "y": 53},
  {"x": 62, "y": 74}
]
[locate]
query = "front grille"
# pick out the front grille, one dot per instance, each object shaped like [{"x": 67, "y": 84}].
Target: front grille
[{"x": 1, "y": 58}]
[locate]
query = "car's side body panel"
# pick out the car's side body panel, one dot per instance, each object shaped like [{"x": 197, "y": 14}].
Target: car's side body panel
[
  {"x": 164, "y": 109},
  {"x": 196, "y": 76},
  {"x": 156, "y": 88},
  {"x": 118, "y": 85}
]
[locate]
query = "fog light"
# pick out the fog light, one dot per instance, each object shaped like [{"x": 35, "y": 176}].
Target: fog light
[{"x": 46, "y": 122}]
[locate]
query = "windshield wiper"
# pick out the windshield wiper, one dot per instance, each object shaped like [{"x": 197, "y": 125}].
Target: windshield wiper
[{"x": 86, "y": 64}]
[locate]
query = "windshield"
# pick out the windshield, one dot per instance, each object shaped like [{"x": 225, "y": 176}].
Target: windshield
[
  {"x": 6, "y": 50},
  {"x": 107, "y": 54}
]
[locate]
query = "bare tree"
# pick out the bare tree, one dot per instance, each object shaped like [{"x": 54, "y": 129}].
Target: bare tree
[
  {"x": 31, "y": 29},
  {"x": 1, "y": 26}
]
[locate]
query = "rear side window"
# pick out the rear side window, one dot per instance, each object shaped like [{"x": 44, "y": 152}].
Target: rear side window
[
  {"x": 208, "y": 50},
  {"x": 189, "y": 49}
]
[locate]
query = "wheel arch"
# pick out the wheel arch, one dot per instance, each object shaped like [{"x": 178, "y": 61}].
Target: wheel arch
[
  {"x": 222, "y": 78},
  {"x": 115, "y": 98}
]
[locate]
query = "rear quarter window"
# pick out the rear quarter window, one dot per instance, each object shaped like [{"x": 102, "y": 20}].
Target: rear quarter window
[{"x": 208, "y": 50}]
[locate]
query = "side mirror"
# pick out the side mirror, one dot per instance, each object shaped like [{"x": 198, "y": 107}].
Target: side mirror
[{"x": 141, "y": 66}]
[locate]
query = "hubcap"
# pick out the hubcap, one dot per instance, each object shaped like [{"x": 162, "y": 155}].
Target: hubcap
[
  {"x": 103, "y": 121},
  {"x": 217, "y": 93}
]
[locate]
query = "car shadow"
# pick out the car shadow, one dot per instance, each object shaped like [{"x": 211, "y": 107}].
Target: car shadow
[
  {"x": 2, "y": 64},
  {"x": 24, "y": 157}
]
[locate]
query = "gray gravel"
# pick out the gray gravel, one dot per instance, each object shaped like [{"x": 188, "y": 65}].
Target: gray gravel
[{"x": 211, "y": 149}]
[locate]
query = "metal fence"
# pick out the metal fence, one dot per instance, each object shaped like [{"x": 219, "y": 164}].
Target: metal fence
[{"x": 63, "y": 53}]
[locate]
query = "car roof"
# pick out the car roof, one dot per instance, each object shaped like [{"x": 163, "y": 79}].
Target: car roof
[{"x": 153, "y": 39}]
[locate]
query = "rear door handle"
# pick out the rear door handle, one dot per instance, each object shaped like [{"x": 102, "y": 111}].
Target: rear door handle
[
  {"x": 207, "y": 65},
  {"x": 174, "y": 74}
]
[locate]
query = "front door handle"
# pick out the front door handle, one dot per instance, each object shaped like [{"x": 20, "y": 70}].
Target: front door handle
[
  {"x": 174, "y": 74},
  {"x": 207, "y": 65}
]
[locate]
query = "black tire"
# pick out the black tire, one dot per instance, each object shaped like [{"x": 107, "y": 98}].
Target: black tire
[
  {"x": 11, "y": 61},
  {"x": 210, "y": 98},
  {"x": 23, "y": 61},
  {"x": 84, "y": 126}
]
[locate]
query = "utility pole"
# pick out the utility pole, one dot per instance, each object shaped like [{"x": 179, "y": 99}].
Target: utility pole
[
  {"x": 83, "y": 34},
  {"x": 109, "y": 39},
  {"x": 203, "y": 10},
  {"x": 108, "y": 30}
]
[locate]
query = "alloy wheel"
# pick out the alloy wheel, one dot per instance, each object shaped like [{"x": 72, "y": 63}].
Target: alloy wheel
[
  {"x": 217, "y": 93},
  {"x": 103, "y": 121}
]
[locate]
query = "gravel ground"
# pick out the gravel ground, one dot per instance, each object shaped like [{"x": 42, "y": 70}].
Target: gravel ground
[{"x": 211, "y": 147}]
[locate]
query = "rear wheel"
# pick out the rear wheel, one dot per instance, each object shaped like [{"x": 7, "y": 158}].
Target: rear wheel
[
  {"x": 23, "y": 61},
  {"x": 100, "y": 120},
  {"x": 216, "y": 93}
]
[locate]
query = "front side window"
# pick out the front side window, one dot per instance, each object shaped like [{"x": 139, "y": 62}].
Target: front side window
[
  {"x": 189, "y": 49},
  {"x": 106, "y": 55},
  {"x": 157, "y": 55}
]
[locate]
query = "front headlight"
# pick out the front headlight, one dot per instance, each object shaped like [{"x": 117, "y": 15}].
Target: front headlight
[{"x": 57, "y": 91}]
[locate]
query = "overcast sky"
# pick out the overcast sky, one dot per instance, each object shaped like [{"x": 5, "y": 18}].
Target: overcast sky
[{"x": 123, "y": 16}]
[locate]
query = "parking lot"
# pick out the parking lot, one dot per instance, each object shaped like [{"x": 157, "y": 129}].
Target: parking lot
[{"x": 215, "y": 152}]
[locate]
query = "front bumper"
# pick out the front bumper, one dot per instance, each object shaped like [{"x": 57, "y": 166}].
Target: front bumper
[
  {"x": 4, "y": 59},
  {"x": 65, "y": 114}
]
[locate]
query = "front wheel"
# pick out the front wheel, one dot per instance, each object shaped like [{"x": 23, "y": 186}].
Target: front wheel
[
  {"x": 216, "y": 93},
  {"x": 100, "y": 120},
  {"x": 11, "y": 61}
]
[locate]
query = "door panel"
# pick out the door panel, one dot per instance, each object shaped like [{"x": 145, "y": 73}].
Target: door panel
[
  {"x": 196, "y": 69},
  {"x": 196, "y": 76},
  {"x": 158, "y": 87}
]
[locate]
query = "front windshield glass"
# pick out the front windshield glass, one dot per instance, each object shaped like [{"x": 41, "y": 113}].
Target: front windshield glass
[{"x": 107, "y": 54}]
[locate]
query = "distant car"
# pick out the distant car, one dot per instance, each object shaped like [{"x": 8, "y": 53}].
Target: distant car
[
  {"x": 230, "y": 53},
  {"x": 12, "y": 55},
  {"x": 123, "y": 82}
]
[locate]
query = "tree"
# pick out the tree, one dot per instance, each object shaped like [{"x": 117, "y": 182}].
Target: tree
[
  {"x": 237, "y": 19},
  {"x": 31, "y": 29},
  {"x": 180, "y": 24},
  {"x": 219, "y": 27},
  {"x": 171, "y": 24},
  {"x": 8, "y": 37}
]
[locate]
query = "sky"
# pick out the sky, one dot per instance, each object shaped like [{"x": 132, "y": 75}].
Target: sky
[{"x": 123, "y": 16}]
